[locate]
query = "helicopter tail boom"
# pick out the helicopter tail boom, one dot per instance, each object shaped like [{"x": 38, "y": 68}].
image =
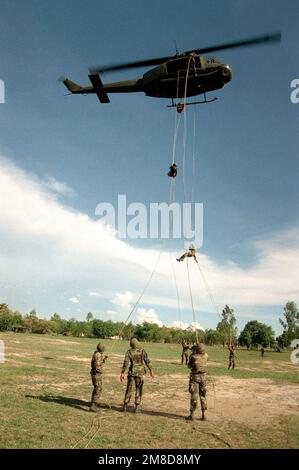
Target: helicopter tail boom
[{"x": 73, "y": 87}]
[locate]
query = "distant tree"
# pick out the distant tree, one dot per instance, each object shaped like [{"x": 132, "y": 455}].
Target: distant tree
[
  {"x": 290, "y": 323},
  {"x": 144, "y": 332},
  {"x": 98, "y": 328},
  {"x": 89, "y": 317},
  {"x": 212, "y": 337},
  {"x": 256, "y": 333},
  {"x": 9, "y": 319},
  {"x": 4, "y": 309},
  {"x": 32, "y": 314},
  {"x": 227, "y": 326},
  {"x": 127, "y": 331},
  {"x": 245, "y": 338},
  {"x": 42, "y": 327},
  {"x": 18, "y": 319},
  {"x": 56, "y": 317}
]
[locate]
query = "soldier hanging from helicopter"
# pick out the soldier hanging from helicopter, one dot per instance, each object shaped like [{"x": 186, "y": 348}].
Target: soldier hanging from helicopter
[
  {"x": 173, "y": 170},
  {"x": 190, "y": 253}
]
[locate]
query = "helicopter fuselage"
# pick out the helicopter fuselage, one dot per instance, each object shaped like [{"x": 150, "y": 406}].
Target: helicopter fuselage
[
  {"x": 177, "y": 78},
  {"x": 183, "y": 77}
]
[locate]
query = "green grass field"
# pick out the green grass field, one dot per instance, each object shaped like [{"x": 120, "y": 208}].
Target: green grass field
[{"x": 45, "y": 389}]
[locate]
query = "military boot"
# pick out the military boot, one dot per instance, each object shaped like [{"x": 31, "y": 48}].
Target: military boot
[
  {"x": 93, "y": 407},
  {"x": 203, "y": 418},
  {"x": 136, "y": 409},
  {"x": 191, "y": 416}
]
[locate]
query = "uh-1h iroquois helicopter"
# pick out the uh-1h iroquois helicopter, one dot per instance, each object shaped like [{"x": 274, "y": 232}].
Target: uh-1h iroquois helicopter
[{"x": 180, "y": 76}]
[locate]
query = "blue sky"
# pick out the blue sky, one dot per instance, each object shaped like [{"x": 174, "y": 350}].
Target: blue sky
[{"x": 70, "y": 152}]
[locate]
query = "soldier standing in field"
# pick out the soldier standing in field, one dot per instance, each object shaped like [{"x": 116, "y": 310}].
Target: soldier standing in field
[
  {"x": 136, "y": 360},
  {"x": 262, "y": 351},
  {"x": 97, "y": 361},
  {"x": 197, "y": 364},
  {"x": 185, "y": 352},
  {"x": 232, "y": 356}
]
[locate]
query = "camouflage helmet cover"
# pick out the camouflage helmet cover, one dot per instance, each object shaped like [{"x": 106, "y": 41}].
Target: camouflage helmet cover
[
  {"x": 134, "y": 343},
  {"x": 199, "y": 348},
  {"x": 100, "y": 347}
]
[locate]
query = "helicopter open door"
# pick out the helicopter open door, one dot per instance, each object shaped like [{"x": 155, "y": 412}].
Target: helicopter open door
[{"x": 98, "y": 88}]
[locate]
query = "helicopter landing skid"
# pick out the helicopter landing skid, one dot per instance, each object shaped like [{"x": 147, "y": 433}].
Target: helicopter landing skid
[{"x": 180, "y": 106}]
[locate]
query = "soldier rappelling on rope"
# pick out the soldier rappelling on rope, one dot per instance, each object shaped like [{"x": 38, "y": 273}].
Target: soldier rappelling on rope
[
  {"x": 190, "y": 253},
  {"x": 173, "y": 170}
]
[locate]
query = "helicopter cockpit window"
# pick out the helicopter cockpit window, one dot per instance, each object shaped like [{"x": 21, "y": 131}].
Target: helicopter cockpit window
[
  {"x": 181, "y": 64},
  {"x": 210, "y": 60}
]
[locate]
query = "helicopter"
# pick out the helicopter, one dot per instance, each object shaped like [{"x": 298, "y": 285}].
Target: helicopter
[{"x": 179, "y": 76}]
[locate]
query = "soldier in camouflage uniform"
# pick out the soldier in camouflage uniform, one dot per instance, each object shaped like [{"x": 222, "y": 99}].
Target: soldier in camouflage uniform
[
  {"x": 97, "y": 361},
  {"x": 232, "y": 356},
  {"x": 185, "y": 352},
  {"x": 135, "y": 361},
  {"x": 190, "y": 253},
  {"x": 197, "y": 383}
]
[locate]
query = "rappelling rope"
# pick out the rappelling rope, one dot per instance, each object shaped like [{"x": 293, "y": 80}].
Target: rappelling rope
[
  {"x": 95, "y": 423},
  {"x": 192, "y": 303},
  {"x": 177, "y": 122},
  {"x": 193, "y": 157},
  {"x": 185, "y": 130},
  {"x": 145, "y": 287},
  {"x": 191, "y": 58},
  {"x": 177, "y": 289}
]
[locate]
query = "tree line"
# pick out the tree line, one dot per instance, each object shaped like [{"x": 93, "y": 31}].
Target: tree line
[{"x": 254, "y": 333}]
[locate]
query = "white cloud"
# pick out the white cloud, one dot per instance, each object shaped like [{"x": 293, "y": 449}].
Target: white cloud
[
  {"x": 74, "y": 300},
  {"x": 58, "y": 187},
  {"x": 111, "y": 313},
  {"x": 180, "y": 325},
  {"x": 195, "y": 326},
  {"x": 186, "y": 326},
  {"x": 149, "y": 316},
  {"x": 95, "y": 294},
  {"x": 123, "y": 299}
]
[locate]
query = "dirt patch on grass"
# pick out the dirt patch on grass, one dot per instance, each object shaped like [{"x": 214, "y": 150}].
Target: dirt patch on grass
[
  {"x": 76, "y": 358},
  {"x": 244, "y": 401},
  {"x": 63, "y": 341},
  {"x": 23, "y": 354},
  {"x": 255, "y": 401}
]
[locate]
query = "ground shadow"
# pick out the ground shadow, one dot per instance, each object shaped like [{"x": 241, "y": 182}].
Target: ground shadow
[
  {"x": 164, "y": 414},
  {"x": 130, "y": 410},
  {"x": 84, "y": 405},
  {"x": 73, "y": 402},
  {"x": 47, "y": 358}
]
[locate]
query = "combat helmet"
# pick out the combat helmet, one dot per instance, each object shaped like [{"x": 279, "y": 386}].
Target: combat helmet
[
  {"x": 199, "y": 348},
  {"x": 100, "y": 347},
  {"x": 134, "y": 343}
]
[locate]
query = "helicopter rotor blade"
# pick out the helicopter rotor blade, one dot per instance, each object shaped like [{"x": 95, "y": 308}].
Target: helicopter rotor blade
[
  {"x": 269, "y": 37},
  {"x": 129, "y": 65}
]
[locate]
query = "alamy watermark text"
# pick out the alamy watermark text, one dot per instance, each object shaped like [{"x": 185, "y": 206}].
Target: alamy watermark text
[{"x": 159, "y": 220}]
